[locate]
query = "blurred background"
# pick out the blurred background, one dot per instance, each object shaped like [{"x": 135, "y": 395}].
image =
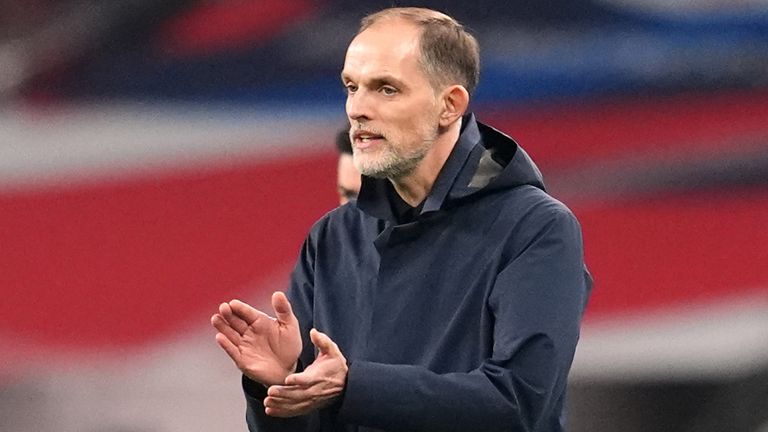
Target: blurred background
[{"x": 157, "y": 158}]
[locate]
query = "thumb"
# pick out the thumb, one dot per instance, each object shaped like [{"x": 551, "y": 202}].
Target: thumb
[
  {"x": 323, "y": 342},
  {"x": 283, "y": 310}
]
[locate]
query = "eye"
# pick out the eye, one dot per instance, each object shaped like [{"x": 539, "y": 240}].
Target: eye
[
  {"x": 388, "y": 90},
  {"x": 351, "y": 88}
]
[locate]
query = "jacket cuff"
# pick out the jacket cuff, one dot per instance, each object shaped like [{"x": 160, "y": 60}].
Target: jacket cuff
[
  {"x": 362, "y": 393},
  {"x": 254, "y": 390}
]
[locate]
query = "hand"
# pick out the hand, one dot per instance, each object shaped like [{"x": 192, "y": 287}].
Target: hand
[
  {"x": 318, "y": 386},
  {"x": 265, "y": 349}
]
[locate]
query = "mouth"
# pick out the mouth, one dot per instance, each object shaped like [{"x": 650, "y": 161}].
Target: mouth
[{"x": 365, "y": 139}]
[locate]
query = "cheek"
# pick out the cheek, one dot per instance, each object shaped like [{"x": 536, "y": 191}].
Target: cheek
[
  {"x": 422, "y": 126},
  {"x": 411, "y": 122}
]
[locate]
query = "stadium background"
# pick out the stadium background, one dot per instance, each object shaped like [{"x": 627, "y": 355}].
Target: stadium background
[{"x": 157, "y": 158}]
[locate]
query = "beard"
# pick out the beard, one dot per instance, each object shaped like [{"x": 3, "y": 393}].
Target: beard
[{"x": 391, "y": 161}]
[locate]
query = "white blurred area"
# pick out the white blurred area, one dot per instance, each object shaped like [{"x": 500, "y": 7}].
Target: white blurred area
[
  {"x": 185, "y": 384},
  {"x": 64, "y": 144},
  {"x": 698, "y": 343}
]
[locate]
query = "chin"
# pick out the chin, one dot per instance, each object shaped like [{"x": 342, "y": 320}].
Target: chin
[{"x": 371, "y": 171}]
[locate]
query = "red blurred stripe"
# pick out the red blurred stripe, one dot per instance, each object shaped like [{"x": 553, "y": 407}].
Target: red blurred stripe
[
  {"x": 574, "y": 135},
  {"x": 125, "y": 264},
  {"x": 676, "y": 250},
  {"x": 233, "y": 24}
]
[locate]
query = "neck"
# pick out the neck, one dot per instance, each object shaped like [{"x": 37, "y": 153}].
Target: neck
[{"x": 415, "y": 187}]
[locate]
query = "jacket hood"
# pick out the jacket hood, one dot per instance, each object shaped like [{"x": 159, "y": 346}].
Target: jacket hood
[{"x": 483, "y": 161}]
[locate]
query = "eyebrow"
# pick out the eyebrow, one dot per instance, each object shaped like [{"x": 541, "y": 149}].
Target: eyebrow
[{"x": 378, "y": 80}]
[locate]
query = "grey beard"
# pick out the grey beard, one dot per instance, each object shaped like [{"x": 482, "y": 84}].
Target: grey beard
[
  {"x": 396, "y": 167},
  {"x": 396, "y": 171}
]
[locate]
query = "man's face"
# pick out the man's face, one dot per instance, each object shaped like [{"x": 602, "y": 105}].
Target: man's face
[
  {"x": 347, "y": 179},
  {"x": 392, "y": 107}
]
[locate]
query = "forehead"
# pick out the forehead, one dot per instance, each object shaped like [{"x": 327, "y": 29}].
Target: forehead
[{"x": 390, "y": 46}]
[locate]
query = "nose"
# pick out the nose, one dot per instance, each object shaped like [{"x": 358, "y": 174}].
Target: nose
[{"x": 358, "y": 106}]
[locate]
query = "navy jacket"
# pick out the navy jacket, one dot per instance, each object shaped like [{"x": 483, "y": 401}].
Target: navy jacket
[{"x": 465, "y": 319}]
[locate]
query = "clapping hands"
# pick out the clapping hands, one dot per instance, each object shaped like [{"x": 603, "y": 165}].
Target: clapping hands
[{"x": 267, "y": 349}]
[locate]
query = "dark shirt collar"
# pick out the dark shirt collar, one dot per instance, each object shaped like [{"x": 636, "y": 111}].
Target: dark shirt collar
[{"x": 377, "y": 195}]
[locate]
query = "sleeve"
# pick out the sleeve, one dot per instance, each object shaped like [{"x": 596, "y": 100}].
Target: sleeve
[
  {"x": 258, "y": 421},
  {"x": 537, "y": 301},
  {"x": 300, "y": 294}
]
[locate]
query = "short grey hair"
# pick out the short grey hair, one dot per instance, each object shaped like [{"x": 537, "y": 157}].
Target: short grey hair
[{"x": 449, "y": 53}]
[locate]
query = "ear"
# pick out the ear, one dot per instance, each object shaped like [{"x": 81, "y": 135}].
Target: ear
[{"x": 455, "y": 103}]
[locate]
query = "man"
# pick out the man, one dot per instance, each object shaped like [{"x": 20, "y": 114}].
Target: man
[
  {"x": 347, "y": 176},
  {"x": 448, "y": 297}
]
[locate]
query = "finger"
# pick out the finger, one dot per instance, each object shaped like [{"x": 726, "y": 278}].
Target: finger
[
  {"x": 281, "y": 412},
  {"x": 228, "y": 347},
  {"x": 224, "y": 328},
  {"x": 296, "y": 395},
  {"x": 273, "y": 401},
  {"x": 233, "y": 320},
  {"x": 285, "y": 404},
  {"x": 274, "y": 409},
  {"x": 303, "y": 379},
  {"x": 282, "y": 308},
  {"x": 323, "y": 342},
  {"x": 288, "y": 392},
  {"x": 248, "y": 313}
]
